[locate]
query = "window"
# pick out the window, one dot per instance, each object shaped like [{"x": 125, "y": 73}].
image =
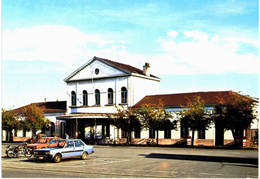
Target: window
[
  {"x": 110, "y": 96},
  {"x": 78, "y": 144},
  {"x": 85, "y": 98},
  {"x": 73, "y": 98},
  {"x": 184, "y": 130},
  {"x": 167, "y": 133},
  {"x": 137, "y": 133},
  {"x": 97, "y": 97},
  {"x": 70, "y": 144},
  {"x": 123, "y": 133},
  {"x": 96, "y": 71},
  {"x": 201, "y": 132},
  {"x": 123, "y": 95},
  {"x": 151, "y": 133}
]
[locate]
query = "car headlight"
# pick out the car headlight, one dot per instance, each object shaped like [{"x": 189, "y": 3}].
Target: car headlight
[
  {"x": 36, "y": 153},
  {"x": 48, "y": 153}
]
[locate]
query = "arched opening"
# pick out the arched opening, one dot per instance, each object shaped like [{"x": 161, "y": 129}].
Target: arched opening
[
  {"x": 97, "y": 97},
  {"x": 73, "y": 98},
  {"x": 85, "y": 98},
  {"x": 123, "y": 95},
  {"x": 110, "y": 96}
]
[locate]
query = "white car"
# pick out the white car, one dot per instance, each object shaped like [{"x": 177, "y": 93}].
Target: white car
[{"x": 64, "y": 148}]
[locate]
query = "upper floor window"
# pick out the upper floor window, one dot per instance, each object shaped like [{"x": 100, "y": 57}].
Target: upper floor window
[
  {"x": 123, "y": 95},
  {"x": 110, "y": 96},
  {"x": 97, "y": 97},
  {"x": 73, "y": 98},
  {"x": 85, "y": 97}
]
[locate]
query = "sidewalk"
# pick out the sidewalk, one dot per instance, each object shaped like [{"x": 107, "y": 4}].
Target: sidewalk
[{"x": 172, "y": 146}]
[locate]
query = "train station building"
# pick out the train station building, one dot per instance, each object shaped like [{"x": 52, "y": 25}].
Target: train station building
[{"x": 98, "y": 86}]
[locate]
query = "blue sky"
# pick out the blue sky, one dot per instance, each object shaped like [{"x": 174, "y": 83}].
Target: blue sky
[{"x": 191, "y": 45}]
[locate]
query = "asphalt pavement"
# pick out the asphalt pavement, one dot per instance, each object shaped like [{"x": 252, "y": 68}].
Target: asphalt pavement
[{"x": 141, "y": 162}]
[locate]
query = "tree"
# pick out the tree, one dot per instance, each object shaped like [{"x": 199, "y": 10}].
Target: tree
[
  {"x": 10, "y": 121},
  {"x": 156, "y": 117},
  {"x": 195, "y": 116},
  {"x": 127, "y": 120},
  {"x": 34, "y": 119},
  {"x": 235, "y": 112}
]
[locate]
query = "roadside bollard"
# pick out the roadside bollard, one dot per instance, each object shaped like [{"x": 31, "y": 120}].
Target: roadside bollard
[
  {"x": 189, "y": 141},
  {"x": 244, "y": 142}
]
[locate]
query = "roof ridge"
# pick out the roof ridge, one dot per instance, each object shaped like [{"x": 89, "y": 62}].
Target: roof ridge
[
  {"x": 177, "y": 99},
  {"x": 111, "y": 61},
  {"x": 190, "y": 93}
]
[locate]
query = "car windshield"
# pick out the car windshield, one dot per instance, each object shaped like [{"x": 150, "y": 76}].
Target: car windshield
[
  {"x": 42, "y": 140},
  {"x": 57, "y": 144}
]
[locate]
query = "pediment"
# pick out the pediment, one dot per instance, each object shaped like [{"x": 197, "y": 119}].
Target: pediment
[{"x": 95, "y": 68}]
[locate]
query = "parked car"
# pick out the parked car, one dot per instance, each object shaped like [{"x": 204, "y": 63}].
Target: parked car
[
  {"x": 62, "y": 149},
  {"x": 43, "y": 142},
  {"x": 36, "y": 138}
]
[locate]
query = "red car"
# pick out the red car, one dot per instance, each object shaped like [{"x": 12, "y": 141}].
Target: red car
[
  {"x": 36, "y": 138},
  {"x": 43, "y": 142}
]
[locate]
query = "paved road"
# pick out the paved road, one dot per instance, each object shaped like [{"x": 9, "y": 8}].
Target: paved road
[{"x": 141, "y": 162}]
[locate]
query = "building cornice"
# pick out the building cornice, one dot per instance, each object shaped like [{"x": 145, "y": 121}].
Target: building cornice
[{"x": 113, "y": 77}]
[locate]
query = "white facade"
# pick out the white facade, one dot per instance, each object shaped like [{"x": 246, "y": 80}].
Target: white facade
[
  {"x": 114, "y": 83},
  {"x": 108, "y": 77},
  {"x": 89, "y": 90}
]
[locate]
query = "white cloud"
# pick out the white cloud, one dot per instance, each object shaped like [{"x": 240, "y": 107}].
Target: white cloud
[
  {"x": 49, "y": 43},
  {"x": 207, "y": 54},
  {"x": 172, "y": 33},
  {"x": 197, "y": 53},
  {"x": 196, "y": 35}
]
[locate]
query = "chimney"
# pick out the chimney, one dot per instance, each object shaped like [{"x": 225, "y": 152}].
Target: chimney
[{"x": 146, "y": 69}]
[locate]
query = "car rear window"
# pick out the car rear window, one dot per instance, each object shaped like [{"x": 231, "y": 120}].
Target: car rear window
[
  {"x": 78, "y": 144},
  {"x": 42, "y": 141}
]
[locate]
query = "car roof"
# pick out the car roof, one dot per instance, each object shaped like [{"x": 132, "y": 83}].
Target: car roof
[{"x": 70, "y": 139}]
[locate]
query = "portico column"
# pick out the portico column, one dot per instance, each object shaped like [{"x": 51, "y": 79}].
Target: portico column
[{"x": 76, "y": 128}]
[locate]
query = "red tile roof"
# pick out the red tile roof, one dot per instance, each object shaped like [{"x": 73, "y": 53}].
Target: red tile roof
[
  {"x": 181, "y": 99},
  {"x": 125, "y": 67},
  {"x": 48, "y": 107}
]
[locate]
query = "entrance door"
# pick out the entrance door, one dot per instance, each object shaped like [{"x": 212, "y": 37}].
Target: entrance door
[{"x": 219, "y": 134}]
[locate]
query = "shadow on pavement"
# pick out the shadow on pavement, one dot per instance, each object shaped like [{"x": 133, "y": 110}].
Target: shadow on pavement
[{"x": 204, "y": 158}]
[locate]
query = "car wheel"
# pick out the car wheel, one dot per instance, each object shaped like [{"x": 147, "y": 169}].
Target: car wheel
[
  {"x": 84, "y": 156},
  {"x": 57, "y": 158}
]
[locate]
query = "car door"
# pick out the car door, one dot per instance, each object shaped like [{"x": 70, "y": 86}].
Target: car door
[
  {"x": 78, "y": 147},
  {"x": 69, "y": 150}
]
